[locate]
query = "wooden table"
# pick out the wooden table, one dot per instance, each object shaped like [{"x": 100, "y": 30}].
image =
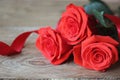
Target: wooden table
[{"x": 31, "y": 64}]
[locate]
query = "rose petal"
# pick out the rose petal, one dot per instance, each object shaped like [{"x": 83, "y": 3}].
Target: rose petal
[
  {"x": 62, "y": 58},
  {"x": 98, "y": 38},
  {"x": 77, "y": 54}
]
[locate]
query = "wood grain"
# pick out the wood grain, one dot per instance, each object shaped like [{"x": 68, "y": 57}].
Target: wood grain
[
  {"x": 38, "y": 12},
  {"x": 17, "y": 16}
]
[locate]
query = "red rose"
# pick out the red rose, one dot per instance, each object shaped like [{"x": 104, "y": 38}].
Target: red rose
[
  {"x": 96, "y": 52},
  {"x": 73, "y": 25},
  {"x": 52, "y": 46}
]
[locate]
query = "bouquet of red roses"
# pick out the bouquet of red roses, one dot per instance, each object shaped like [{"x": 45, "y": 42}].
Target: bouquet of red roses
[{"x": 77, "y": 33}]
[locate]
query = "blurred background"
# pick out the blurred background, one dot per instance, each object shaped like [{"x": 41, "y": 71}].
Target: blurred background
[{"x": 38, "y": 12}]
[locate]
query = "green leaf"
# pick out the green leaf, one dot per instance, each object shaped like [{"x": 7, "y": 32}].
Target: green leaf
[
  {"x": 102, "y": 20},
  {"x": 99, "y": 16},
  {"x": 98, "y": 5},
  {"x": 94, "y": 0},
  {"x": 105, "y": 26}
]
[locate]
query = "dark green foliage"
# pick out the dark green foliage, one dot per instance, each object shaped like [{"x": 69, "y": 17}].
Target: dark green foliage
[{"x": 98, "y": 5}]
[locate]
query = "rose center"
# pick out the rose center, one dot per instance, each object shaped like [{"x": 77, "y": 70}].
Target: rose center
[
  {"x": 49, "y": 46},
  {"x": 98, "y": 58},
  {"x": 71, "y": 28}
]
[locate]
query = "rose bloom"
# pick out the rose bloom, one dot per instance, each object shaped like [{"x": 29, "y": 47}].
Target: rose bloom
[
  {"x": 96, "y": 52},
  {"x": 73, "y": 25},
  {"x": 52, "y": 46}
]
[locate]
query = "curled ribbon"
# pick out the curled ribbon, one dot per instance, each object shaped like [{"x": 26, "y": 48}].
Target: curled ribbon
[{"x": 16, "y": 46}]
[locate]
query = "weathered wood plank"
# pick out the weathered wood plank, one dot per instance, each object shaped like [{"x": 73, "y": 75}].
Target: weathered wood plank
[{"x": 38, "y": 12}]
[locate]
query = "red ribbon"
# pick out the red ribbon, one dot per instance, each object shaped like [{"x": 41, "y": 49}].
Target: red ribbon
[
  {"x": 16, "y": 46},
  {"x": 116, "y": 21},
  {"x": 18, "y": 43}
]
